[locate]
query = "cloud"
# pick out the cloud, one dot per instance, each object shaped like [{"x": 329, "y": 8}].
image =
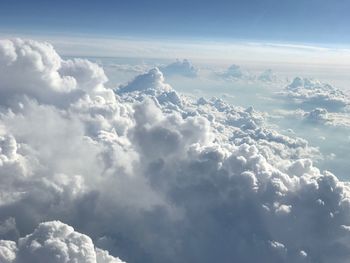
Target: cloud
[
  {"x": 30, "y": 68},
  {"x": 153, "y": 80},
  {"x": 127, "y": 68},
  {"x": 235, "y": 73},
  {"x": 267, "y": 76},
  {"x": 53, "y": 242},
  {"x": 318, "y": 116},
  {"x": 150, "y": 83},
  {"x": 181, "y": 68},
  {"x": 312, "y": 93},
  {"x": 154, "y": 176}
]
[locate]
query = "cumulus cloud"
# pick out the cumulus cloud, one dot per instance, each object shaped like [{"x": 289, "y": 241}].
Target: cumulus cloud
[
  {"x": 318, "y": 116},
  {"x": 181, "y": 68},
  {"x": 312, "y": 93},
  {"x": 235, "y": 72},
  {"x": 153, "y": 176},
  {"x": 30, "y": 68},
  {"x": 152, "y": 84},
  {"x": 153, "y": 80},
  {"x": 267, "y": 76},
  {"x": 53, "y": 242}
]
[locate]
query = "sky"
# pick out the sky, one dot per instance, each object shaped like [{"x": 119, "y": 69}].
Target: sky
[{"x": 297, "y": 21}]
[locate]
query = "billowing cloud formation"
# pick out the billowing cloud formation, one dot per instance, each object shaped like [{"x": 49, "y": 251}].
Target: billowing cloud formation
[
  {"x": 156, "y": 179},
  {"x": 182, "y": 68},
  {"x": 151, "y": 84},
  {"x": 153, "y": 80},
  {"x": 312, "y": 93},
  {"x": 53, "y": 242},
  {"x": 29, "y": 68}
]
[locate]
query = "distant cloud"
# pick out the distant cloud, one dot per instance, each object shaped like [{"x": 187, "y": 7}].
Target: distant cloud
[
  {"x": 151, "y": 83},
  {"x": 151, "y": 175},
  {"x": 126, "y": 68},
  {"x": 268, "y": 76},
  {"x": 236, "y": 73},
  {"x": 320, "y": 116},
  {"x": 261, "y": 52},
  {"x": 317, "y": 115},
  {"x": 312, "y": 93},
  {"x": 152, "y": 80},
  {"x": 180, "y": 68}
]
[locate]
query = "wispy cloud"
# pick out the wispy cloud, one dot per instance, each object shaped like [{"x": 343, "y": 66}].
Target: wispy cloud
[{"x": 219, "y": 51}]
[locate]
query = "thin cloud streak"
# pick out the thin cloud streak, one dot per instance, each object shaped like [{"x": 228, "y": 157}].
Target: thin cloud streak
[{"x": 217, "y": 51}]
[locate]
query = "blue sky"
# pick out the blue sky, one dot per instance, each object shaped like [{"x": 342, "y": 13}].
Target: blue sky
[{"x": 298, "y": 21}]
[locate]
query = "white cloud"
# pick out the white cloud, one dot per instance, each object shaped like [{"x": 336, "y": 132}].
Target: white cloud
[
  {"x": 30, "y": 68},
  {"x": 312, "y": 93},
  {"x": 153, "y": 176},
  {"x": 274, "y": 53},
  {"x": 153, "y": 84},
  {"x": 181, "y": 68},
  {"x": 54, "y": 242},
  {"x": 236, "y": 73},
  {"x": 268, "y": 76},
  {"x": 8, "y": 251},
  {"x": 319, "y": 116}
]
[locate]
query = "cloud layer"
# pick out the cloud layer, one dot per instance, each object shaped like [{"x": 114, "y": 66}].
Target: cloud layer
[{"x": 150, "y": 175}]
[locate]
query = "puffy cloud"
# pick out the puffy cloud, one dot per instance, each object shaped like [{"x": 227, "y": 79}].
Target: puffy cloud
[
  {"x": 317, "y": 115},
  {"x": 235, "y": 72},
  {"x": 320, "y": 116},
  {"x": 153, "y": 176},
  {"x": 34, "y": 69},
  {"x": 181, "y": 68},
  {"x": 267, "y": 76},
  {"x": 8, "y": 251},
  {"x": 150, "y": 83},
  {"x": 54, "y": 242},
  {"x": 88, "y": 76},
  {"x": 31, "y": 68},
  {"x": 312, "y": 93},
  {"x": 152, "y": 80}
]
